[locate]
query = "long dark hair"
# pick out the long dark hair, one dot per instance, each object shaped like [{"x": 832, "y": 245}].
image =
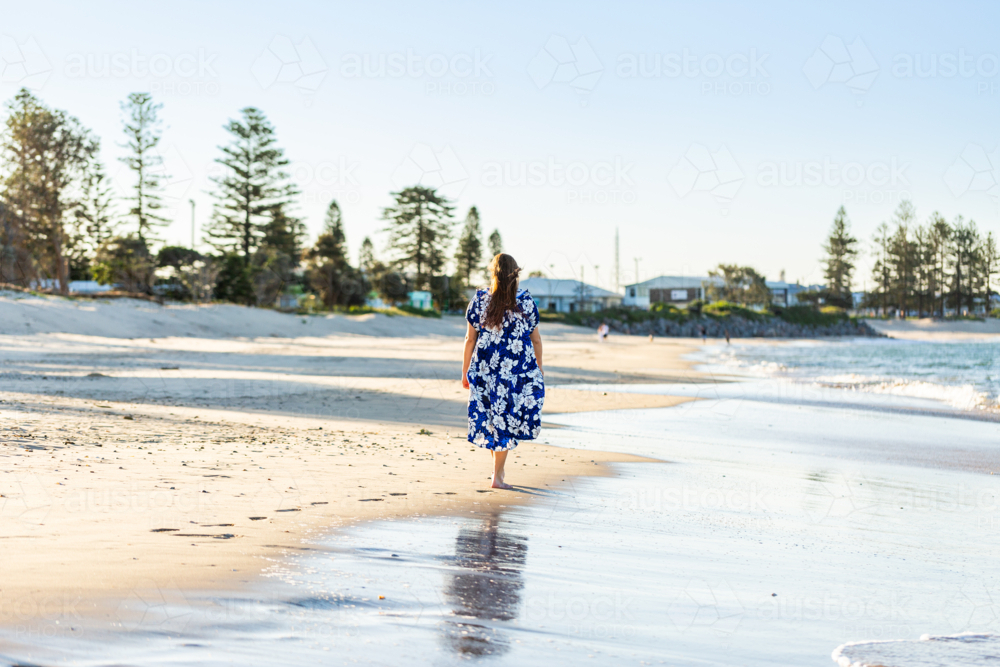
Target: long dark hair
[{"x": 503, "y": 290}]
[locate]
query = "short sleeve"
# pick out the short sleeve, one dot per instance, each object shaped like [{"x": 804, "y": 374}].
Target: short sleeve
[
  {"x": 473, "y": 314},
  {"x": 530, "y": 310}
]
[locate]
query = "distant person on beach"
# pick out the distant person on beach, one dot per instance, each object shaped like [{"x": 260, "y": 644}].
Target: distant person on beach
[
  {"x": 602, "y": 331},
  {"x": 704, "y": 333},
  {"x": 727, "y": 336},
  {"x": 503, "y": 366}
]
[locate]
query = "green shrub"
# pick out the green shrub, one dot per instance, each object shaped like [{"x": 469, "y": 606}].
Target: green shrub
[
  {"x": 124, "y": 262},
  {"x": 667, "y": 311},
  {"x": 721, "y": 309},
  {"x": 811, "y": 316},
  {"x": 234, "y": 282}
]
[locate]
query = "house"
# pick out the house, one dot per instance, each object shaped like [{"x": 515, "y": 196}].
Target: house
[
  {"x": 75, "y": 286},
  {"x": 421, "y": 300},
  {"x": 675, "y": 290},
  {"x": 786, "y": 294},
  {"x": 287, "y": 301},
  {"x": 569, "y": 296}
]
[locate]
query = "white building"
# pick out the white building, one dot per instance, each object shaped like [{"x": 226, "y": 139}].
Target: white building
[
  {"x": 420, "y": 299},
  {"x": 675, "y": 290},
  {"x": 786, "y": 294},
  {"x": 75, "y": 286},
  {"x": 569, "y": 296}
]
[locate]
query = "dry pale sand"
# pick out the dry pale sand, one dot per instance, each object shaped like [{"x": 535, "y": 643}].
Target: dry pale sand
[
  {"x": 150, "y": 447},
  {"x": 930, "y": 329}
]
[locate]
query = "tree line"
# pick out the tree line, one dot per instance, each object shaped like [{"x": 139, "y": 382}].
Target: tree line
[
  {"x": 930, "y": 268},
  {"x": 61, "y": 221}
]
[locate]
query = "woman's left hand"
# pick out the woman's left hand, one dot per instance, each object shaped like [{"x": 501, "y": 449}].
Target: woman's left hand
[{"x": 465, "y": 383}]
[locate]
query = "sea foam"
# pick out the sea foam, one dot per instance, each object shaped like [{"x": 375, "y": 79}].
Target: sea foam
[{"x": 962, "y": 650}]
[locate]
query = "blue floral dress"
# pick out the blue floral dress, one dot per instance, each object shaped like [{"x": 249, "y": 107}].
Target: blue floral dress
[{"x": 506, "y": 386}]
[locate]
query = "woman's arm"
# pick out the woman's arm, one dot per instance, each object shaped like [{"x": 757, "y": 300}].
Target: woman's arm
[
  {"x": 471, "y": 336},
  {"x": 536, "y": 342}
]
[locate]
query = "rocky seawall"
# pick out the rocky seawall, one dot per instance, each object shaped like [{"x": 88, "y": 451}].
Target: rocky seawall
[{"x": 737, "y": 327}]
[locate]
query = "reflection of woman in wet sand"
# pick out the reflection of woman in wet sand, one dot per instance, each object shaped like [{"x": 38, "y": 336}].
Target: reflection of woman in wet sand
[
  {"x": 486, "y": 585},
  {"x": 502, "y": 366}
]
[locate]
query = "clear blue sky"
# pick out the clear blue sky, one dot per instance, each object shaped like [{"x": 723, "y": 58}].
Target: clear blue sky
[{"x": 686, "y": 159}]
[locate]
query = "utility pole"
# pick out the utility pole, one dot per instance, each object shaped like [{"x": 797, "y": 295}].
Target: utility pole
[
  {"x": 637, "y": 295},
  {"x": 583, "y": 292},
  {"x": 618, "y": 285},
  {"x": 191, "y": 201}
]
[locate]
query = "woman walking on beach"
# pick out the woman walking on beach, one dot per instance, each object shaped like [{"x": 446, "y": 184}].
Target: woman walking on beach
[{"x": 503, "y": 366}]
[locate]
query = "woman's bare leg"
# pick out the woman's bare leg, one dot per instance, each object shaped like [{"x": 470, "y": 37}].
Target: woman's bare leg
[{"x": 499, "y": 458}]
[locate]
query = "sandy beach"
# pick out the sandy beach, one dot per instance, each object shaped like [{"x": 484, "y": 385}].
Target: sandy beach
[
  {"x": 216, "y": 484},
  {"x": 147, "y": 446}
]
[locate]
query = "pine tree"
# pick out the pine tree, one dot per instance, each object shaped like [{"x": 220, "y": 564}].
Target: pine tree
[
  {"x": 329, "y": 271},
  {"x": 922, "y": 266},
  {"x": 25, "y": 113},
  {"x": 332, "y": 242},
  {"x": 964, "y": 240},
  {"x": 901, "y": 255},
  {"x": 901, "y": 266},
  {"x": 881, "y": 270},
  {"x": 95, "y": 209},
  {"x": 253, "y": 188},
  {"x": 990, "y": 258},
  {"x": 469, "y": 257},
  {"x": 938, "y": 240},
  {"x": 92, "y": 223},
  {"x": 841, "y": 251},
  {"x": 46, "y": 153},
  {"x": 419, "y": 231},
  {"x": 283, "y": 233},
  {"x": 495, "y": 243},
  {"x": 142, "y": 131},
  {"x": 366, "y": 256}
]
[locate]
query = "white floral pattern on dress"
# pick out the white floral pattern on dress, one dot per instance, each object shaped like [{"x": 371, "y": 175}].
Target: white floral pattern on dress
[{"x": 507, "y": 391}]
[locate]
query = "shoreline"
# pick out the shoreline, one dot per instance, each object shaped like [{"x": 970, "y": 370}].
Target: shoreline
[
  {"x": 94, "y": 523},
  {"x": 101, "y": 497},
  {"x": 744, "y": 480},
  {"x": 251, "y": 439}
]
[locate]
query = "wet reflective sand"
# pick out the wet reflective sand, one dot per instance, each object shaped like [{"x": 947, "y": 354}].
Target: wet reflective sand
[{"x": 773, "y": 532}]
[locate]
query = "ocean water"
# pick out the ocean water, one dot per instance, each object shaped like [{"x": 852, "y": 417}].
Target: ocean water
[
  {"x": 777, "y": 527},
  {"x": 962, "y": 374}
]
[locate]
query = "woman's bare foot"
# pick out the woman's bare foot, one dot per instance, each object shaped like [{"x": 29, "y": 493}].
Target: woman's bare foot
[
  {"x": 499, "y": 457},
  {"x": 498, "y": 484}
]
